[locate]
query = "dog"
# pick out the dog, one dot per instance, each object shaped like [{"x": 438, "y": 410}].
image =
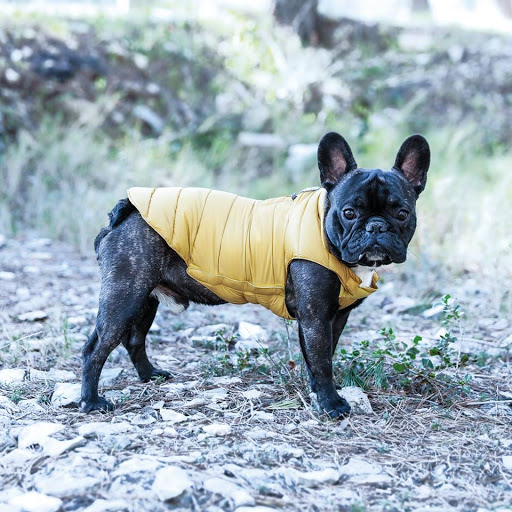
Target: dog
[{"x": 299, "y": 256}]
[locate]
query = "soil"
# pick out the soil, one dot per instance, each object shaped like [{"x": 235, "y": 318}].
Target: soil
[{"x": 235, "y": 429}]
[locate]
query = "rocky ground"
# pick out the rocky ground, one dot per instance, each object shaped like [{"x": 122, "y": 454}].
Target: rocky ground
[{"x": 234, "y": 430}]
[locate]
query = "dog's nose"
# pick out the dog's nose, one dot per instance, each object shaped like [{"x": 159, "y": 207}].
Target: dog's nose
[{"x": 376, "y": 226}]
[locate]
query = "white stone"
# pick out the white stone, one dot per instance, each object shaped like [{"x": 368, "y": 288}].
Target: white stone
[
  {"x": 11, "y": 376},
  {"x": 170, "y": 482},
  {"x": 108, "y": 506},
  {"x": 436, "y": 310},
  {"x": 66, "y": 394},
  {"x": 61, "y": 483},
  {"x": 252, "y": 394},
  {"x": 357, "y": 399},
  {"x": 37, "y": 433},
  {"x": 54, "y": 448},
  {"x": 256, "y": 509},
  {"x": 263, "y": 416},
  {"x": 210, "y": 330},
  {"x": 7, "y": 405},
  {"x": 36, "y": 502},
  {"x": 108, "y": 376},
  {"x": 248, "y": 331},
  {"x": 172, "y": 417},
  {"x": 170, "y": 432},
  {"x": 33, "y": 316},
  {"x": 310, "y": 478},
  {"x": 7, "y": 276},
  {"x": 98, "y": 429},
  {"x": 217, "y": 429},
  {"x": 363, "y": 472},
  {"x": 226, "y": 380},
  {"x": 507, "y": 462},
  {"x": 137, "y": 464},
  {"x": 31, "y": 404},
  {"x": 52, "y": 375},
  {"x": 235, "y": 493},
  {"x": 17, "y": 458},
  {"x": 143, "y": 419},
  {"x": 216, "y": 394}
]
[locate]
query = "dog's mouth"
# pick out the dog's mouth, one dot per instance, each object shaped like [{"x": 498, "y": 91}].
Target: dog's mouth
[{"x": 374, "y": 257}]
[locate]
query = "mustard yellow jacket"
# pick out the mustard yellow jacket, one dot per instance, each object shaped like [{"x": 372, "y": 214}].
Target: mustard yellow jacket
[{"x": 241, "y": 248}]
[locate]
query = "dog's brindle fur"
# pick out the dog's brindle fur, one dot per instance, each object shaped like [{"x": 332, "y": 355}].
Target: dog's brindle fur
[{"x": 135, "y": 260}]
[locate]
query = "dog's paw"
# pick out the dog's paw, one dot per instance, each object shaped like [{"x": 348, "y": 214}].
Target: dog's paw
[
  {"x": 156, "y": 374},
  {"x": 334, "y": 406},
  {"x": 99, "y": 404}
]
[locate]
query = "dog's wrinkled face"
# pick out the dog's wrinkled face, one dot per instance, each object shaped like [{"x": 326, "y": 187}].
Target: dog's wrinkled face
[{"x": 371, "y": 217}]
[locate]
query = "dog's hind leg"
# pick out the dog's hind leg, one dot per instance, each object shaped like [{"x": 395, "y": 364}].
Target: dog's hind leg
[
  {"x": 119, "y": 311},
  {"x": 136, "y": 344}
]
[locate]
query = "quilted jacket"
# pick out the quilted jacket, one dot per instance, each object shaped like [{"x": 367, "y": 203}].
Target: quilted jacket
[{"x": 240, "y": 248}]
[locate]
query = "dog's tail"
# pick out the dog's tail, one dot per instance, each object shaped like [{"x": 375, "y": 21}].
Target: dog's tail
[{"x": 118, "y": 214}]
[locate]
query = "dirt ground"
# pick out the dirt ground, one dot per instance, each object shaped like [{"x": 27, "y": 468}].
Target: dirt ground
[{"x": 234, "y": 430}]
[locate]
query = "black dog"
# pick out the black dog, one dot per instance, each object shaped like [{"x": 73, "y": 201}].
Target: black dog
[{"x": 369, "y": 220}]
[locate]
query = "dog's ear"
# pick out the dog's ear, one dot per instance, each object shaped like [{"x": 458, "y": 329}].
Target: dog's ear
[
  {"x": 334, "y": 159},
  {"x": 413, "y": 161}
]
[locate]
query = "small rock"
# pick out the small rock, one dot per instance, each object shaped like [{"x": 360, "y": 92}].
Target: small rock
[
  {"x": 98, "y": 429},
  {"x": 212, "y": 330},
  {"x": 61, "y": 483},
  {"x": 31, "y": 405},
  {"x": 217, "y": 429},
  {"x": 172, "y": 416},
  {"x": 357, "y": 399},
  {"x": 108, "y": 376},
  {"x": 37, "y": 433},
  {"x": 170, "y": 482},
  {"x": 252, "y": 394},
  {"x": 155, "y": 328},
  {"x": 52, "y": 375},
  {"x": 226, "y": 380},
  {"x": 7, "y": 276},
  {"x": 33, "y": 316},
  {"x": 434, "y": 311},
  {"x": 107, "y": 506},
  {"x": 36, "y": 502},
  {"x": 54, "y": 448},
  {"x": 66, "y": 394},
  {"x": 363, "y": 472},
  {"x": 143, "y": 419},
  {"x": 17, "y": 458},
  {"x": 258, "y": 508},
  {"x": 250, "y": 331},
  {"x": 507, "y": 462},
  {"x": 170, "y": 432},
  {"x": 263, "y": 416},
  {"x": 136, "y": 465},
  {"x": 229, "y": 490},
  {"x": 216, "y": 394},
  {"x": 11, "y": 376},
  {"x": 310, "y": 478}
]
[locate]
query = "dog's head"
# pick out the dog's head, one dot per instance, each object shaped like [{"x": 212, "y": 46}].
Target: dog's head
[{"x": 370, "y": 213}]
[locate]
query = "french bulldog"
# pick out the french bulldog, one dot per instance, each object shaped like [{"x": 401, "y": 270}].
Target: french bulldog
[{"x": 368, "y": 218}]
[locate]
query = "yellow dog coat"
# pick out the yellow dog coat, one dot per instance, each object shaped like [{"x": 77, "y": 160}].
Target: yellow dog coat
[{"x": 240, "y": 248}]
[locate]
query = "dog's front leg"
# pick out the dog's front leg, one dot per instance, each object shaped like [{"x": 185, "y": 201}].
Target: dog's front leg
[
  {"x": 316, "y": 339},
  {"x": 312, "y": 297}
]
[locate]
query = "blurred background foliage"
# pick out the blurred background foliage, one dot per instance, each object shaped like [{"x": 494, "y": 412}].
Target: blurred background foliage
[{"x": 237, "y": 98}]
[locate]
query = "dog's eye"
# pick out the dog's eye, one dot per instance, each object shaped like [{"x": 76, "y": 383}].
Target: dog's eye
[
  {"x": 349, "y": 213},
  {"x": 402, "y": 215}
]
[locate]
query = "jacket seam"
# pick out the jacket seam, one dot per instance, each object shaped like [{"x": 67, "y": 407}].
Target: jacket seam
[
  {"x": 174, "y": 216},
  {"x": 223, "y": 231},
  {"x": 200, "y": 220}
]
